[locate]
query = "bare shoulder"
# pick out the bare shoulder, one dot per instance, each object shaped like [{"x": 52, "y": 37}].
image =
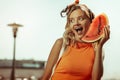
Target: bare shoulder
[{"x": 59, "y": 41}]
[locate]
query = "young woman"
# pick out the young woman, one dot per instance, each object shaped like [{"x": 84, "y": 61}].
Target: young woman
[{"x": 79, "y": 60}]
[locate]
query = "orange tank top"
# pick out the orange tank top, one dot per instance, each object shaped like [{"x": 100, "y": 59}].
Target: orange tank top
[{"x": 75, "y": 64}]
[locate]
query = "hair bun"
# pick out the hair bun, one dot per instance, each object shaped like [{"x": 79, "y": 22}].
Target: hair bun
[{"x": 77, "y": 1}]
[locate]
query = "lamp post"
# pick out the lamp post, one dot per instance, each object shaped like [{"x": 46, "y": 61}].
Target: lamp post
[{"x": 15, "y": 29}]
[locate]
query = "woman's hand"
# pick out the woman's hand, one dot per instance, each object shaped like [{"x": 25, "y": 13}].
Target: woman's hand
[
  {"x": 71, "y": 34},
  {"x": 105, "y": 37},
  {"x": 97, "y": 71}
]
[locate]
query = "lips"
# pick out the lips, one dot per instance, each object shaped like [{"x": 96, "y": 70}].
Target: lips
[{"x": 79, "y": 30}]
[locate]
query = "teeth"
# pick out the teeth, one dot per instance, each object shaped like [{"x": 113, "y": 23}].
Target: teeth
[{"x": 79, "y": 29}]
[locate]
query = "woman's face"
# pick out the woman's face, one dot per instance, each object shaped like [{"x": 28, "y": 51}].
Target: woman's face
[{"x": 79, "y": 22}]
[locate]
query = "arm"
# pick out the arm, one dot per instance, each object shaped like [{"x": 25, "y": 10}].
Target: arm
[
  {"x": 52, "y": 59},
  {"x": 97, "y": 71}
]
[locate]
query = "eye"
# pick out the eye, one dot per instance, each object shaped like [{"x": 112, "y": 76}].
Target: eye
[
  {"x": 71, "y": 20},
  {"x": 80, "y": 18}
]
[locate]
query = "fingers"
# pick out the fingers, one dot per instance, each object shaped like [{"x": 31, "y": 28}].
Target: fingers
[
  {"x": 107, "y": 32},
  {"x": 74, "y": 32},
  {"x": 69, "y": 33},
  {"x": 106, "y": 35}
]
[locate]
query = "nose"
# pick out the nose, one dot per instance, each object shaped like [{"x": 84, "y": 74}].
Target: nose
[{"x": 76, "y": 21}]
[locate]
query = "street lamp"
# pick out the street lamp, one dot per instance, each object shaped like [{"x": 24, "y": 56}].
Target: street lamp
[{"x": 15, "y": 29}]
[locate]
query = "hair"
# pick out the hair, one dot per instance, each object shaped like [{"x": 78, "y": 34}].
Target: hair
[{"x": 68, "y": 36}]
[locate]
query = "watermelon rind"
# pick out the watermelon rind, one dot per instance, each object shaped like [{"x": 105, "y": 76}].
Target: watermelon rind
[{"x": 96, "y": 37}]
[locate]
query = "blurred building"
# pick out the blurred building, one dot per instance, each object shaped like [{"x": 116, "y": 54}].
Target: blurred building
[{"x": 24, "y": 69}]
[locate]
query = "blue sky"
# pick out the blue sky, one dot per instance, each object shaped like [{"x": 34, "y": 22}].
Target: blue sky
[{"x": 43, "y": 25}]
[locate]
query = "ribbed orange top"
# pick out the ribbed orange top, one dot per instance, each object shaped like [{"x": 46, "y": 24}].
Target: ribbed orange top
[{"x": 75, "y": 64}]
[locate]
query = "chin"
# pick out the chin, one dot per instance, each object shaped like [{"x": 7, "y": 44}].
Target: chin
[{"x": 78, "y": 38}]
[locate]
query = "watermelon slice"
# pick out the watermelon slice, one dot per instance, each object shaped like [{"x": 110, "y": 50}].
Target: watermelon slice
[{"x": 95, "y": 30}]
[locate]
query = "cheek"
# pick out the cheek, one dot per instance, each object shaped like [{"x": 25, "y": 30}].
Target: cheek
[
  {"x": 71, "y": 25},
  {"x": 87, "y": 24},
  {"x": 86, "y": 27}
]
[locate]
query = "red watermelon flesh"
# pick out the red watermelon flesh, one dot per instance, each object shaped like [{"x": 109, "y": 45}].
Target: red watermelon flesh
[{"x": 95, "y": 30}]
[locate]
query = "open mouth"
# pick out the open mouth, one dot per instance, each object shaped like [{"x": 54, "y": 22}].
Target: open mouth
[{"x": 79, "y": 30}]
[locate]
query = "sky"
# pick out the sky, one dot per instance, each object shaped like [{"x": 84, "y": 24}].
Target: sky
[{"x": 42, "y": 25}]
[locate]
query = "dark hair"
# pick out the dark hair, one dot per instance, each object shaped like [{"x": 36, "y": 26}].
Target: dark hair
[{"x": 67, "y": 11}]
